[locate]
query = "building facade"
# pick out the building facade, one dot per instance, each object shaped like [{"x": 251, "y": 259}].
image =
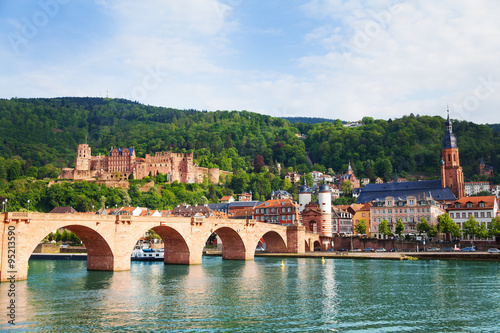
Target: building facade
[
  {"x": 483, "y": 209},
  {"x": 122, "y": 163},
  {"x": 410, "y": 210},
  {"x": 474, "y": 188},
  {"x": 280, "y": 211}
]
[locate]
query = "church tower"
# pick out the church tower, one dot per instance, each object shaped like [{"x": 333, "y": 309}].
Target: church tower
[{"x": 451, "y": 171}]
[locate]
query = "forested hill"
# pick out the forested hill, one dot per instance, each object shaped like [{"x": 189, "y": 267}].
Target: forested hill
[{"x": 42, "y": 131}]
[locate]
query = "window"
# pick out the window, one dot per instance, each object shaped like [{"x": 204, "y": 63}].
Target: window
[
  {"x": 475, "y": 214},
  {"x": 363, "y": 215},
  {"x": 482, "y": 214},
  {"x": 481, "y": 204},
  {"x": 457, "y": 205},
  {"x": 451, "y": 215},
  {"x": 289, "y": 209},
  {"x": 463, "y": 215},
  {"x": 488, "y": 214},
  {"x": 469, "y": 205}
]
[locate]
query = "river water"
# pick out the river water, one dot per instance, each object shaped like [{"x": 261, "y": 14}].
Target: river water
[{"x": 304, "y": 295}]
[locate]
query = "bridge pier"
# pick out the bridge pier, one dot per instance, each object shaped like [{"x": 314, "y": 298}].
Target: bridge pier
[{"x": 296, "y": 238}]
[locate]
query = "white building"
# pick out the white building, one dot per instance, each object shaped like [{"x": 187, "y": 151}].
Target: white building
[
  {"x": 473, "y": 188},
  {"x": 483, "y": 209}
]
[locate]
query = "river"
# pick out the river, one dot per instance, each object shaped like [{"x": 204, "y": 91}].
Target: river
[{"x": 304, "y": 295}]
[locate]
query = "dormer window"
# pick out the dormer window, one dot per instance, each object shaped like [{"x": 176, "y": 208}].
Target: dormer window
[
  {"x": 481, "y": 204},
  {"x": 457, "y": 205},
  {"x": 469, "y": 205}
]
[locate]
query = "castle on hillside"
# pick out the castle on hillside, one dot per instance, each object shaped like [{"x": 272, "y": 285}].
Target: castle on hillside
[{"x": 121, "y": 163}]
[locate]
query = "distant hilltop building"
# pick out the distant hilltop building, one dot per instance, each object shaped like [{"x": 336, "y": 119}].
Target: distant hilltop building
[
  {"x": 485, "y": 169},
  {"x": 121, "y": 163}
]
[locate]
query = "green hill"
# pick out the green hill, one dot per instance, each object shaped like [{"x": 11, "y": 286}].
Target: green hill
[{"x": 47, "y": 131}]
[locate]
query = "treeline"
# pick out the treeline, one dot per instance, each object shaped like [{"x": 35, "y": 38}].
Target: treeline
[
  {"x": 308, "y": 120},
  {"x": 47, "y": 131},
  {"x": 410, "y": 145}
]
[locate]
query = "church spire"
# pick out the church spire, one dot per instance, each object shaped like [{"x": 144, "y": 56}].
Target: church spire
[{"x": 449, "y": 140}]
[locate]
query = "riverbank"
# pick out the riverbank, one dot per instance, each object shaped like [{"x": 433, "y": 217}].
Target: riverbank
[{"x": 483, "y": 256}]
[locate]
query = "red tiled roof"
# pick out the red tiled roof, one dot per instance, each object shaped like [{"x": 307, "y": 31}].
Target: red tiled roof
[
  {"x": 489, "y": 202},
  {"x": 277, "y": 203}
]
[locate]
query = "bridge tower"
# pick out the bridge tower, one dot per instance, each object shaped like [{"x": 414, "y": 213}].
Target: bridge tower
[
  {"x": 304, "y": 196},
  {"x": 325, "y": 206}
]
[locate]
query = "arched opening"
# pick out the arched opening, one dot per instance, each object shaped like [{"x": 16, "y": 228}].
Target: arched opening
[
  {"x": 232, "y": 244},
  {"x": 317, "y": 246},
  {"x": 100, "y": 257},
  {"x": 99, "y": 254},
  {"x": 176, "y": 250},
  {"x": 274, "y": 242}
]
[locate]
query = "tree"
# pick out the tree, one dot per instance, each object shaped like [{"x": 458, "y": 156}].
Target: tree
[
  {"x": 346, "y": 187},
  {"x": 482, "y": 231},
  {"x": 470, "y": 227},
  {"x": 360, "y": 227},
  {"x": 384, "y": 229},
  {"x": 433, "y": 231},
  {"x": 258, "y": 163},
  {"x": 423, "y": 226},
  {"x": 399, "y": 228},
  {"x": 446, "y": 225},
  {"x": 494, "y": 228}
]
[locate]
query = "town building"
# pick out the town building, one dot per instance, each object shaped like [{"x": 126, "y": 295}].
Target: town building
[
  {"x": 410, "y": 210},
  {"x": 191, "y": 211},
  {"x": 122, "y": 163},
  {"x": 342, "y": 218},
  {"x": 245, "y": 196},
  {"x": 227, "y": 199},
  {"x": 360, "y": 212},
  {"x": 279, "y": 211},
  {"x": 494, "y": 190},
  {"x": 474, "y": 188},
  {"x": 483, "y": 209},
  {"x": 293, "y": 177},
  {"x": 280, "y": 194},
  {"x": 350, "y": 176},
  {"x": 485, "y": 169}
]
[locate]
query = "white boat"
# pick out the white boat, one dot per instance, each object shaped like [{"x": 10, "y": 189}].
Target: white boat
[{"x": 147, "y": 254}]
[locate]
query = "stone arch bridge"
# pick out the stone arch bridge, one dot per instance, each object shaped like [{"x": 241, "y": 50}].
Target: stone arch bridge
[{"x": 110, "y": 239}]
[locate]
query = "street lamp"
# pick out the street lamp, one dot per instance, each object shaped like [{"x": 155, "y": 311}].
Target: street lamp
[
  {"x": 28, "y": 205},
  {"x": 5, "y": 205}
]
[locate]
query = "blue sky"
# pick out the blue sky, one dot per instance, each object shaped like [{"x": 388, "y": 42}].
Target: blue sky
[{"x": 316, "y": 58}]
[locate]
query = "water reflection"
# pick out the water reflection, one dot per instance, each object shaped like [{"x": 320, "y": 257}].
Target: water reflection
[{"x": 260, "y": 296}]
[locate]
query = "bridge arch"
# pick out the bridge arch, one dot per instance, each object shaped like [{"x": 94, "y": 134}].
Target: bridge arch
[
  {"x": 233, "y": 246},
  {"x": 100, "y": 255},
  {"x": 274, "y": 242},
  {"x": 176, "y": 249}
]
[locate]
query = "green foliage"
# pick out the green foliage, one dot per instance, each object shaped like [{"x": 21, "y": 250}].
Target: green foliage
[
  {"x": 360, "y": 227},
  {"x": 423, "y": 226},
  {"x": 383, "y": 228},
  {"x": 470, "y": 227},
  {"x": 399, "y": 227},
  {"x": 494, "y": 227}
]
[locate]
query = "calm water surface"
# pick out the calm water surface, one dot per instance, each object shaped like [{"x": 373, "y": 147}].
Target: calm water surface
[{"x": 260, "y": 296}]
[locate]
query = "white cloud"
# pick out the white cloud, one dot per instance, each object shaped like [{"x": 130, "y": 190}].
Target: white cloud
[{"x": 355, "y": 58}]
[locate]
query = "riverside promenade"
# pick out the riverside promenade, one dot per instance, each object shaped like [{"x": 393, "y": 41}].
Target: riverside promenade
[{"x": 389, "y": 255}]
